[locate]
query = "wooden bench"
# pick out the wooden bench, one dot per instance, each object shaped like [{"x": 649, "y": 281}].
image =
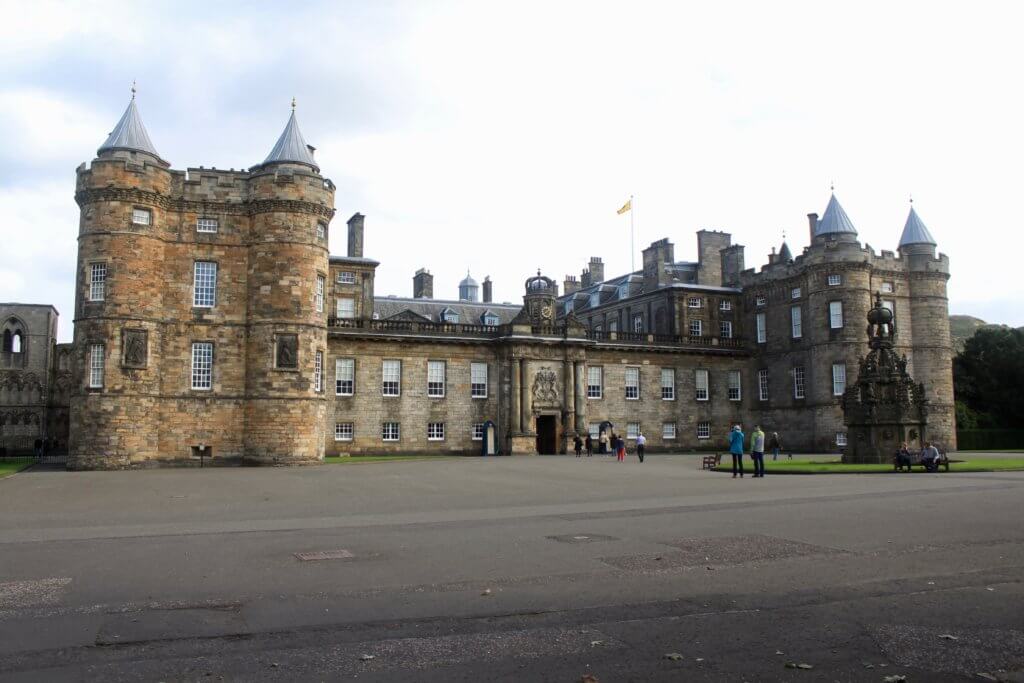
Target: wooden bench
[
  {"x": 710, "y": 462},
  {"x": 915, "y": 459}
]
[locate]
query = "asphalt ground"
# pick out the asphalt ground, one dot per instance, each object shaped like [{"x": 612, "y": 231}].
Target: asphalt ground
[{"x": 510, "y": 569}]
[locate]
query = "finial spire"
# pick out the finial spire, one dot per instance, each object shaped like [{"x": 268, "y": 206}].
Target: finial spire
[
  {"x": 133, "y": 88},
  {"x": 832, "y": 185},
  {"x": 293, "y": 102},
  {"x": 911, "y": 198}
]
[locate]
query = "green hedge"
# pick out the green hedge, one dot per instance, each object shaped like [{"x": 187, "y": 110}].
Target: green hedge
[{"x": 989, "y": 439}]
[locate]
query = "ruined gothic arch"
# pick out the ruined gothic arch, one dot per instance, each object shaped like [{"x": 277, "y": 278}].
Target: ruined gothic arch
[{"x": 15, "y": 334}]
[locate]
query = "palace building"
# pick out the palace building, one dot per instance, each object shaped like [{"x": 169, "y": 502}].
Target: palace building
[{"x": 211, "y": 321}]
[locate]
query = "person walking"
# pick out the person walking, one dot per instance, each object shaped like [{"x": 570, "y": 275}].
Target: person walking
[
  {"x": 757, "y": 450},
  {"x": 775, "y": 443},
  {"x": 641, "y": 441},
  {"x": 577, "y": 444},
  {"x": 736, "y": 449},
  {"x": 589, "y": 444},
  {"x": 620, "y": 447}
]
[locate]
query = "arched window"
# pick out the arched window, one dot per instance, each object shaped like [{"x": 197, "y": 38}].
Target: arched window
[
  {"x": 7, "y": 341},
  {"x": 16, "y": 342}
]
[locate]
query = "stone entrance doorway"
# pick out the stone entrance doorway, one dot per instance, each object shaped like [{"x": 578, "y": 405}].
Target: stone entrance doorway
[{"x": 547, "y": 435}]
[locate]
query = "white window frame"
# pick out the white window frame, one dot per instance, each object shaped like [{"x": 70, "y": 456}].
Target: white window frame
[
  {"x": 760, "y": 300},
  {"x": 391, "y": 378},
  {"x": 796, "y": 322},
  {"x": 638, "y": 323},
  {"x": 204, "y": 284},
  {"x": 701, "y": 385},
  {"x": 344, "y": 376},
  {"x": 450, "y": 316},
  {"x": 841, "y": 439},
  {"x": 318, "y": 293},
  {"x": 478, "y": 380},
  {"x": 321, "y": 230},
  {"x": 97, "y": 281},
  {"x": 391, "y": 431},
  {"x": 735, "y": 385},
  {"x": 346, "y": 277},
  {"x": 142, "y": 217},
  {"x": 595, "y": 299},
  {"x": 725, "y": 329},
  {"x": 207, "y": 225},
  {"x": 668, "y": 431},
  {"x": 318, "y": 372},
  {"x": 693, "y": 302},
  {"x": 696, "y": 328},
  {"x": 631, "y": 381},
  {"x": 632, "y": 430},
  {"x": 762, "y": 384},
  {"x": 834, "y": 279},
  {"x": 595, "y": 391},
  {"x": 346, "y": 312},
  {"x": 725, "y": 305},
  {"x": 703, "y": 430},
  {"x": 97, "y": 365},
  {"x": 838, "y": 379},
  {"x": 795, "y": 293},
  {"x": 476, "y": 432},
  {"x": 888, "y": 287},
  {"x": 435, "y": 431},
  {"x": 668, "y": 384},
  {"x": 835, "y": 315},
  {"x": 343, "y": 431},
  {"x": 761, "y": 322},
  {"x": 437, "y": 371},
  {"x": 799, "y": 388},
  {"x": 202, "y": 366},
  {"x": 491, "y": 320},
  {"x": 594, "y": 430}
]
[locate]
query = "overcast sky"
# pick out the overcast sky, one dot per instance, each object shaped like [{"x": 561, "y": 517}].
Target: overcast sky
[{"x": 502, "y": 137}]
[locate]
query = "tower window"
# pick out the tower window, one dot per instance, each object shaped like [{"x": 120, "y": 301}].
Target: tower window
[
  {"x": 321, "y": 230},
  {"x": 202, "y": 366},
  {"x": 761, "y": 300},
  {"x": 318, "y": 295},
  {"x": 835, "y": 314},
  {"x": 887, "y": 288},
  {"x": 206, "y": 225},
  {"x": 762, "y": 329},
  {"x": 142, "y": 216},
  {"x": 835, "y": 279},
  {"x": 97, "y": 361},
  {"x": 318, "y": 372},
  {"x": 204, "y": 284},
  {"x": 97, "y": 281},
  {"x": 838, "y": 379}
]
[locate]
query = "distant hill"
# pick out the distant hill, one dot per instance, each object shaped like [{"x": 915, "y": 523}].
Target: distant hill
[{"x": 963, "y": 327}]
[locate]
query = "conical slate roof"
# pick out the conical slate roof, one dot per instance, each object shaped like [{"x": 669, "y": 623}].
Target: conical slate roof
[
  {"x": 468, "y": 281},
  {"x": 834, "y": 220},
  {"x": 291, "y": 148},
  {"x": 915, "y": 232},
  {"x": 785, "y": 255},
  {"x": 129, "y": 133}
]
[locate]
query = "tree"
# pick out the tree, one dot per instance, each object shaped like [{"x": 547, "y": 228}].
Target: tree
[{"x": 988, "y": 376}]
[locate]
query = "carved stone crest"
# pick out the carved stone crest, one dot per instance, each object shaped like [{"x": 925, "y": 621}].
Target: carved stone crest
[
  {"x": 134, "y": 348},
  {"x": 287, "y": 354},
  {"x": 544, "y": 390}
]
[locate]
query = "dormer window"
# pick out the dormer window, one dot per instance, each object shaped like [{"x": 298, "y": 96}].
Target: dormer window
[
  {"x": 595, "y": 299},
  {"x": 449, "y": 316},
  {"x": 490, "y": 319},
  {"x": 623, "y": 291},
  {"x": 569, "y": 305}
]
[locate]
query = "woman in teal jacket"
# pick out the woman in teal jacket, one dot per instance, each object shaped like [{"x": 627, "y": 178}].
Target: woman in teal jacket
[{"x": 736, "y": 448}]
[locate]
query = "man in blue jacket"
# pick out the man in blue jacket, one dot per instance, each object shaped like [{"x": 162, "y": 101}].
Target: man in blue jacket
[{"x": 736, "y": 449}]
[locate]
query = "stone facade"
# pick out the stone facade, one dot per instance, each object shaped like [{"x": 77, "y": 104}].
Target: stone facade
[
  {"x": 291, "y": 355},
  {"x": 35, "y": 380}
]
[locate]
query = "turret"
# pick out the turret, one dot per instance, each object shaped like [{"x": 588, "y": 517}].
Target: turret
[
  {"x": 469, "y": 289},
  {"x": 833, "y": 225}
]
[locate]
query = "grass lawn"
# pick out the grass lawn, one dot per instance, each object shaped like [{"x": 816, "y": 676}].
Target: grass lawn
[
  {"x": 360, "y": 459},
  {"x": 9, "y": 466},
  {"x": 972, "y": 464}
]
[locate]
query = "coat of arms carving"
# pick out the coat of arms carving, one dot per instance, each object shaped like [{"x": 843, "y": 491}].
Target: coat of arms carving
[{"x": 544, "y": 390}]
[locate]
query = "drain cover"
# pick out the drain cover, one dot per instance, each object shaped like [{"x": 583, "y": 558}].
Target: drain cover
[
  {"x": 582, "y": 538},
  {"x": 324, "y": 555}
]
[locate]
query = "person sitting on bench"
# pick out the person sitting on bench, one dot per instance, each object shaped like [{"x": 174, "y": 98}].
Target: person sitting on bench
[
  {"x": 903, "y": 458},
  {"x": 930, "y": 457}
]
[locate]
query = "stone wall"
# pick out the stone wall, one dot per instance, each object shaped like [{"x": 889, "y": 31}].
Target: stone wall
[{"x": 28, "y": 378}]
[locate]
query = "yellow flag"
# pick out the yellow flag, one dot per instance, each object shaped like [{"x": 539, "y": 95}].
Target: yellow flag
[{"x": 626, "y": 207}]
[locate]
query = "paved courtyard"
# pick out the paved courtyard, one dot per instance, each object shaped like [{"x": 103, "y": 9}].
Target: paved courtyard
[{"x": 516, "y": 569}]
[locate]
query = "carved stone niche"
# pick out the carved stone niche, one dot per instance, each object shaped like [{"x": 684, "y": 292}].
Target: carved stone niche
[
  {"x": 134, "y": 348},
  {"x": 286, "y": 354}
]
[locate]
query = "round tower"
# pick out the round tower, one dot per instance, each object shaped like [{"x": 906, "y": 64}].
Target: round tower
[
  {"x": 932, "y": 350},
  {"x": 123, "y": 200},
  {"x": 286, "y": 344}
]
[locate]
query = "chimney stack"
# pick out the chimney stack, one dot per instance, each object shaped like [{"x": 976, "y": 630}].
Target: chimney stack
[
  {"x": 488, "y": 294},
  {"x": 423, "y": 284},
  {"x": 355, "y": 235},
  {"x": 571, "y": 285},
  {"x": 812, "y": 220},
  {"x": 596, "y": 270}
]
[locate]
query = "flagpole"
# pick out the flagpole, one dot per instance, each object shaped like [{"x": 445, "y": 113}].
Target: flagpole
[{"x": 632, "y": 237}]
